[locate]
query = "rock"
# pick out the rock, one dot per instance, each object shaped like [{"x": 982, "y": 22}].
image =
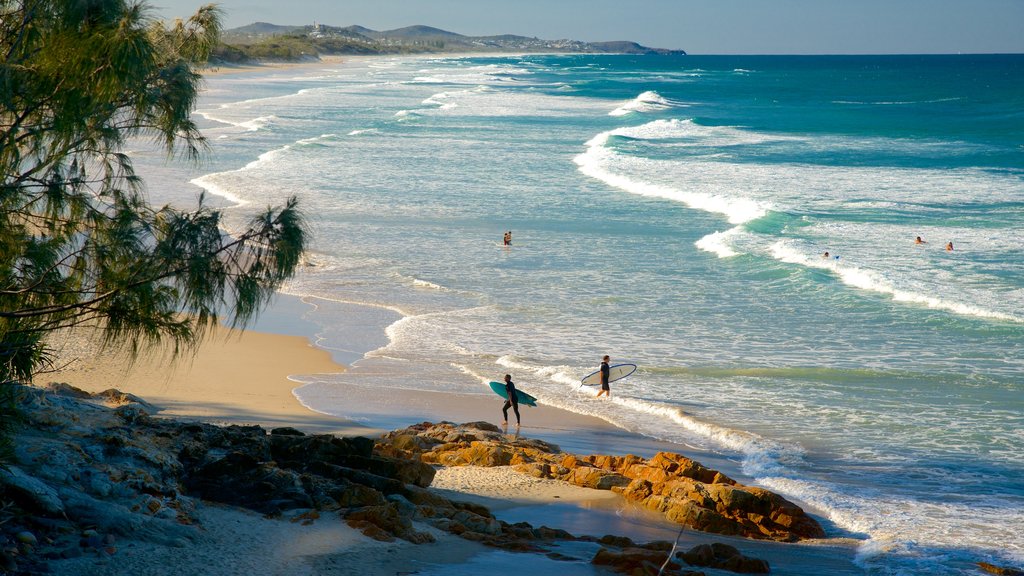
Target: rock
[
  {"x": 617, "y": 541},
  {"x": 65, "y": 389},
  {"x": 132, "y": 413},
  {"x": 723, "y": 557},
  {"x": 384, "y": 523},
  {"x": 115, "y": 397},
  {"x": 999, "y": 570},
  {"x": 26, "y": 537},
  {"x": 680, "y": 488},
  {"x": 635, "y": 561},
  {"x": 30, "y": 492},
  {"x": 240, "y": 479},
  {"x": 286, "y": 431}
]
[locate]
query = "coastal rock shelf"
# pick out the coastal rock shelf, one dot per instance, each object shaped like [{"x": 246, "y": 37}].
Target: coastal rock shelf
[
  {"x": 97, "y": 470},
  {"x": 683, "y": 490}
]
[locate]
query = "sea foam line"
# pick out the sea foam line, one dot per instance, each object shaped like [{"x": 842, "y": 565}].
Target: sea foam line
[
  {"x": 760, "y": 455},
  {"x": 773, "y": 465},
  {"x": 717, "y": 242},
  {"x": 874, "y": 282},
  {"x": 599, "y": 156}
]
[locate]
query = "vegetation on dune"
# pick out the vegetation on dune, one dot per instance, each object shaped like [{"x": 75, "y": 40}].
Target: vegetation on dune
[
  {"x": 295, "y": 47},
  {"x": 79, "y": 241}
]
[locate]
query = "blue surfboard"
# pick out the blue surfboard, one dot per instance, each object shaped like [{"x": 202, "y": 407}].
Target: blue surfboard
[{"x": 521, "y": 397}]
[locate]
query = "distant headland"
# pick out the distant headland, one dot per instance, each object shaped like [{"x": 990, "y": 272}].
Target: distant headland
[{"x": 262, "y": 42}]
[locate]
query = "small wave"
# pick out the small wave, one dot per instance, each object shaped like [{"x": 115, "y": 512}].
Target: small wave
[
  {"x": 717, "y": 243},
  {"x": 894, "y": 102},
  {"x": 441, "y": 101},
  {"x": 914, "y": 533},
  {"x": 596, "y": 162},
  {"x": 649, "y": 101},
  {"x": 207, "y": 181},
  {"x": 874, "y": 282},
  {"x": 316, "y": 140},
  {"x": 425, "y": 284},
  {"x": 252, "y": 125},
  {"x": 363, "y": 131},
  {"x": 559, "y": 374},
  {"x": 209, "y": 186}
]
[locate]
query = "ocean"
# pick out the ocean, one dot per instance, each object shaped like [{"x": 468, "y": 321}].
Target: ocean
[{"x": 674, "y": 212}]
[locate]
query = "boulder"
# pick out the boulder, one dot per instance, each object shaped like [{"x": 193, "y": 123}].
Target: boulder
[
  {"x": 29, "y": 492},
  {"x": 385, "y": 522},
  {"x": 723, "y": 557},
  {"x": 639, "y": 562},
  {"x": 1000, "y": 570}
]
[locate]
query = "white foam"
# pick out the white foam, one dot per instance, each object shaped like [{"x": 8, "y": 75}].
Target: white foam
[
  {"x": 425, "y": 284},
  {"x": 897, "y": 524},
  {"x": 251, "y": 125},
  {"x": 649, "y": 101},
  {"x": 600, "y": 162},
  {"x": 439, "y": 100},
  {"x": 718, "y": 243},
  {"x": 874, "y": 281}
]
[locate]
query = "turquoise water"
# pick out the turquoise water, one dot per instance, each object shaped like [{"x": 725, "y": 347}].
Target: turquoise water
[{"x": 673, "y": 212}]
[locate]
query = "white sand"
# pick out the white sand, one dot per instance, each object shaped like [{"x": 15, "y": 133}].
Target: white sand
[{"x": 502, "y": 487}]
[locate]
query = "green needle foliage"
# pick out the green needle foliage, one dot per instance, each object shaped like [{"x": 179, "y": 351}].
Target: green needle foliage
[{"x": 79, "y": 242}]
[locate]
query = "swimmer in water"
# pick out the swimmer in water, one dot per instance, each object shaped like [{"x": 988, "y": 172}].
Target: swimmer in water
[
  {"x": 919, "y": 241},
  {"x": 949, "y": 247}
]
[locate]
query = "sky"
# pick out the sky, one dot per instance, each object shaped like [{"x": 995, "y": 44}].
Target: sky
[{"x": 697, "y": 26}]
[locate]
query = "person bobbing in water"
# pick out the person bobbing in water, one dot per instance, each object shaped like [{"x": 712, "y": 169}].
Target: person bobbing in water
[
  {"x": 605, "y": 371},
  {"x": 508, "y": 238},
  {"x": 949, "y": 247},
  {"x": 510, "y": 394}
]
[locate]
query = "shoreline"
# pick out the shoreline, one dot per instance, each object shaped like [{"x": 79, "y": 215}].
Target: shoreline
[
  {"x": 253, "y": 377},
  {"x": 263, "y": 363}
]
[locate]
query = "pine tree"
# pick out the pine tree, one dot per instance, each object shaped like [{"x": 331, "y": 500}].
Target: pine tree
[{"x": 79, "y": 241}]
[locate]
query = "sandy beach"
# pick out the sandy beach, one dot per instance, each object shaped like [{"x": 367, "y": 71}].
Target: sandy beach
[{"x": 242, "y": 377}]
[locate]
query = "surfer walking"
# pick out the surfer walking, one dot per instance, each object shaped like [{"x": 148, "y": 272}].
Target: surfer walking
[
  {"x": 511, "y": 400},
  {"x": 605, "y": 372}
]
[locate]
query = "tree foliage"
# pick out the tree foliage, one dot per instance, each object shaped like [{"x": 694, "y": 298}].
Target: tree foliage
[{"x": 79, "y": 241}]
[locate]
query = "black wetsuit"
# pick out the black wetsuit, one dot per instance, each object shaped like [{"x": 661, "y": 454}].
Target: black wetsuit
[
  {"x": 605, "y": 371},
  {"x": 510, "y": 391}
]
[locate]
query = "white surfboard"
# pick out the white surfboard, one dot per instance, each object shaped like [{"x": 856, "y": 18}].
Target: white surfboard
[{"x": 616, "y": 372}]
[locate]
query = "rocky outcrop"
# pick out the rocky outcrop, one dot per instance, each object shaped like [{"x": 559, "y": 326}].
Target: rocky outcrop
[
  {"x": 639, "y": 562},
  {"x": 724, "y": 557},
  {"x": 1000, "y": 570},
  {"x": 94, "y": 470},
  {"x": 683, "y": 490}
]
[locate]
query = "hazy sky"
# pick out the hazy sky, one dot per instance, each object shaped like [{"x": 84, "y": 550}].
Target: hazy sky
[{"x": 697, "y": 26}]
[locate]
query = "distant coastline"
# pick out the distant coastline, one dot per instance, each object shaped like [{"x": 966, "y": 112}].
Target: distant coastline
[{"x": 264, "y": 42}]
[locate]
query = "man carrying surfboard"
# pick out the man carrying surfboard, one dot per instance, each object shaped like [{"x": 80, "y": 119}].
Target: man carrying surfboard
[
  {"x": 511, "y": 400},
  {"x": 605, "y": 371}
]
